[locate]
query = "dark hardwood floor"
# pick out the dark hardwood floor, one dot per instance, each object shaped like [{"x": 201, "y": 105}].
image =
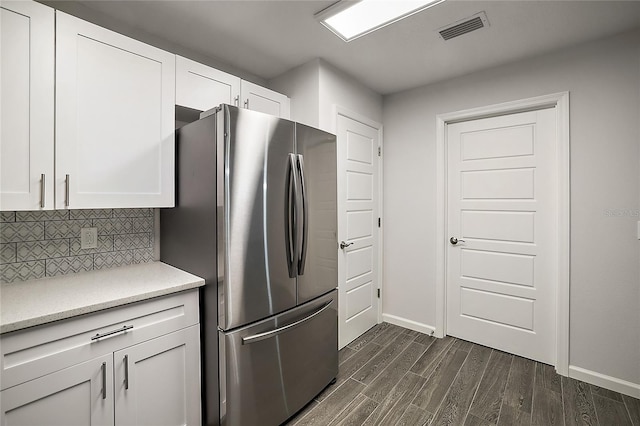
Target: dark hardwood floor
[{"x": 394, "y": 376}]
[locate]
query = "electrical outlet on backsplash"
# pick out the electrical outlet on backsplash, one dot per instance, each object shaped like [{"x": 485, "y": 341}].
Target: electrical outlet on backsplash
[{"x": 38, "y": 244}]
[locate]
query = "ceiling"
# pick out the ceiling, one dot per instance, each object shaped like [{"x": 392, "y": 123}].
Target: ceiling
[{"x": 269, "y": 37}]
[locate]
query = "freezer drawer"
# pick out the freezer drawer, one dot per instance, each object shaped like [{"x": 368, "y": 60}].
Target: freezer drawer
[{"x": 272, "y": 369}]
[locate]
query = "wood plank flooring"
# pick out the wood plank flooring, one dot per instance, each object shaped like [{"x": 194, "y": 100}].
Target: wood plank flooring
[{"x": 394, "y": 376}]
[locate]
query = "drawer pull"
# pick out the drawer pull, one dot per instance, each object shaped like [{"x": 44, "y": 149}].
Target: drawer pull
[
  {"x": 109, "y": 333},
  {"x": 104, "y": 380},
  {"x": 269, "y": 334}
]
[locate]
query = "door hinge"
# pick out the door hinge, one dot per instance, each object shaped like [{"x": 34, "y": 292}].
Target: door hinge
[
  {"x": 378, "y": 293},
  {"x": 378, "y": 222},
  {"x": 379, "y": 151}
]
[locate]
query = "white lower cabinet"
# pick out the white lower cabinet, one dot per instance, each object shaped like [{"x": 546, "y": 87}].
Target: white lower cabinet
[
  {"x": 147, "y": 374},
  {"x": 78, "y": 395},
  {"x": 154, "y": 381}
]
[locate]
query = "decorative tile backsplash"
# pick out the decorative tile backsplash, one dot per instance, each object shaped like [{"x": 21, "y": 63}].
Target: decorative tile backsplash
[{"x": 47, "y": 243}]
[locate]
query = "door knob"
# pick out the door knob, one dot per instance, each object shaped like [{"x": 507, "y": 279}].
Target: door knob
[
  {"x": 344, "y": 245},
  {"x": 454, "y": 240}
]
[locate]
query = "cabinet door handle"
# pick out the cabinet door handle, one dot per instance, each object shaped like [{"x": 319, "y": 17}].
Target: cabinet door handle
[
  {"x": 236, "y": 100},
  {"x": 66, "y": 191},
  {"x": 246, "y": 103},
  {"x": 126, "y": 372},
  {"x": 104, "y": 380},
  {"x": 42, "y": 190}
]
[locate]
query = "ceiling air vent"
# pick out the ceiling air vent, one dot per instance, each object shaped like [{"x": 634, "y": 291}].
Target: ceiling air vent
[{"x": 475, "y": 22}]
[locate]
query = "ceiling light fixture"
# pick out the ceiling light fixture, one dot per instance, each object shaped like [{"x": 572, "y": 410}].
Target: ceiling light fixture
[{"x": 352, "y": 19}]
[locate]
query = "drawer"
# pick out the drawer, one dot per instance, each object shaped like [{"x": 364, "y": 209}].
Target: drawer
[
  {"x": 34, "y": 352},
  {"x": 284, "y": 361}
]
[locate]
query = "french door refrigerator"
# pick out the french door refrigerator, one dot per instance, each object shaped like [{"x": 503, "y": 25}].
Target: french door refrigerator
[{"x": 256, "y": 217}]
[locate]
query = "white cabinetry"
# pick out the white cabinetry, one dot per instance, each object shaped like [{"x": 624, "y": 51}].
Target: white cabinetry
[
  {"x": 201, "y": 87},
  {"x": 114, "y": 115},
  {"x": 258, "y": 98},
  {"x": 26, "y": 111},
  {"x": 73, "y": 396},
  {"x": 156, "y": 376},
  {"x": 148, "y": 373},
  {"x": 115, "y": 109}
]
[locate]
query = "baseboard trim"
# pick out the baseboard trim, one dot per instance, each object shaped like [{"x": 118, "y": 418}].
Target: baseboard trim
[
  {"x": 604, "y": 381},
  {"x": 410, "y": 324}
]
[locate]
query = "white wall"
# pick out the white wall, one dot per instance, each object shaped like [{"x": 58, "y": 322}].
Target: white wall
[
  {"x": 302, "y": 86},
  {"x": 603, "y": 79},
  {"x": 339, "y": 88},
  {"x": 315, "y": 89}
]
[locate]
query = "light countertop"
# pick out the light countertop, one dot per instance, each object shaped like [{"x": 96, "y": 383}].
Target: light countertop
[{"x": 30, "y": 303}]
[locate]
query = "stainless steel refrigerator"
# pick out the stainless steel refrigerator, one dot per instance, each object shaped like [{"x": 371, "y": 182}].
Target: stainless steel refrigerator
[{"x": 256, "y": 217}]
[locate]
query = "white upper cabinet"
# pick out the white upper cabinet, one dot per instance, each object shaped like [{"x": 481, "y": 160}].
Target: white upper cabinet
[
  {"x": 108, "y": 133},
  {"x": 26, "y": 110},
  {"x": 258, "y": 98},
  {"x": 115, "y": 111},
  {"x": 201, "y": 87}
]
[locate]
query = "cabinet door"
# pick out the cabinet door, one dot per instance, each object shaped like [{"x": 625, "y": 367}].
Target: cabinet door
[
  {"x": 115, "y": 111},
  {"x": 258, "y": 98},
  {"x": 78, "y": 395},
  {"x": 158, "y": 382},
  {"x": 201, "y": 87},
  {"x": 26, "y": 111}
]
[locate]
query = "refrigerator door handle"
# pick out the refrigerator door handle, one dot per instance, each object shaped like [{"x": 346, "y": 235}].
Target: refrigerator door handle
[
  {"x": 268, "y": 334},
  {"x": 290, "y": 216},
  {"x": 305, "y": 218}
]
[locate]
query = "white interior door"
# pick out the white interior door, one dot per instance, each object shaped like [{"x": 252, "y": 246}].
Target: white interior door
[
  {"x": 502, "y": 202},
  {"x": 357, "y": 228}
]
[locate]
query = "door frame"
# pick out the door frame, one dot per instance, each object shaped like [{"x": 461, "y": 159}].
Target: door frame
[
  {"x": 346, "y": 112},
  {"x": 561, "y": 102}
]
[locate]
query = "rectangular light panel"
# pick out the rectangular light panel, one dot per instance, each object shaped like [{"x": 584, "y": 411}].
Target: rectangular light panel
[{"x": 350, "y": 20}]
